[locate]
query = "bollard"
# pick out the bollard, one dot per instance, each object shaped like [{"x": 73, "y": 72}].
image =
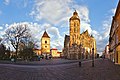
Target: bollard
[{"x": 79, "y": 63}]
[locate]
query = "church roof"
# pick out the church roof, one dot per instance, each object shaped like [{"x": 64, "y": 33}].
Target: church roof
[
  {"x": 75, "y": 13},
  {"x": 67, "y": 40},
  {"x": 45, "y": 35},
  {"x": 92, "y": 36},
  {"x": 75, "y": 16},
  {"x": 85, "y": 32},
  {"x": 67, "y": 37}
]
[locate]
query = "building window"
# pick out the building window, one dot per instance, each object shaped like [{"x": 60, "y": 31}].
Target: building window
[
  {"x": 75, "y": 29},
  {"x": 45, "y": 42},
  {"x": 45, "y": 46}
]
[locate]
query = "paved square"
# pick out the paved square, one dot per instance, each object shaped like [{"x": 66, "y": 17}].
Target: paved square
[{"x": 103, "y": 70}]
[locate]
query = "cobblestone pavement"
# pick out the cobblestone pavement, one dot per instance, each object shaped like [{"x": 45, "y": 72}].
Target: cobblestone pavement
[
  {"x": 42, "y": 62},
  {"x": 103, "y": 70}
]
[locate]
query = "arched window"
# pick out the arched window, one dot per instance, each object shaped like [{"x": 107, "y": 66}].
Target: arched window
[
  {"x": 75, "y": 29},
  {"x": 45, "y": 42}
]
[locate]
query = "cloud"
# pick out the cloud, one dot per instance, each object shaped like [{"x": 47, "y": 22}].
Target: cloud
[
  {"x": 106, "y": 28},
  {"x": 37, "y": 31},
  {"x": 57, "y": 13},
  {"x": 54, "y": 15},
  {"x": 1, "y": 31},
  {"x": 83, "y": 12},
  {"x": 97, "y": 35},
  {"x": 113, "y": 10},
  {"x": 85, "y": 26},
  {"x": 53, "y": 11},
  {"x": 1, "y": 27},
  {"x": 103, "y": 36},
  {"x": 6, "y": 2},
  {"x": 56, "y": 38}
]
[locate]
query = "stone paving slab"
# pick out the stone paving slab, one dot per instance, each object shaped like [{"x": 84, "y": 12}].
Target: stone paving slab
[
  {"x": 103, "y": 70},
  {"x": 43, "y": 62}
]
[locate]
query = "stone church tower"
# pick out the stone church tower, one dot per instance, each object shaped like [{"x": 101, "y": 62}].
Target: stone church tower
[
  {"x": 78, "y": 45},
  {"x": 45, "y": 44},
  {"x": 74, "y": 29}
]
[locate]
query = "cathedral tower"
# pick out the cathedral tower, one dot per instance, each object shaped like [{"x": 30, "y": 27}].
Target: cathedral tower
[
  {"x": 45, "y": 43},
  {"x": 74, "y": 23}
]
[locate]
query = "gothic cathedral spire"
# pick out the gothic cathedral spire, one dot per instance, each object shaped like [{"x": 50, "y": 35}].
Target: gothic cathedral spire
[{"x": 74, "y": 29}]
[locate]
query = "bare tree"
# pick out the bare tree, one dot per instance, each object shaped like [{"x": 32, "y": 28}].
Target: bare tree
[{"x": 17, "y": 34}]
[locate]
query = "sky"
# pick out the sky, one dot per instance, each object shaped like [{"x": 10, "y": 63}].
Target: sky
[{"x": 53, "y": 16}]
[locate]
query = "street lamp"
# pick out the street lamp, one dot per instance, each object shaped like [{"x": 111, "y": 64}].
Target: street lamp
[
  {"x": 92, "y": 46},
  {"x": 80, "y": 55},
  {"x": 93, "y": 57}
]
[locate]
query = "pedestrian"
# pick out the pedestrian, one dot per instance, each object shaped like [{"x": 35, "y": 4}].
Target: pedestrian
[{"x": 79, "y": 63}]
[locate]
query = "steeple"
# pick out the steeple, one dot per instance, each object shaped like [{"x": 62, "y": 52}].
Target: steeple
[
  {"x": 75, "y": 16},
  {"x": 75, "y": 13},
  {"x": 45, "y": 34},
  {"x": 45, "y": 43}
]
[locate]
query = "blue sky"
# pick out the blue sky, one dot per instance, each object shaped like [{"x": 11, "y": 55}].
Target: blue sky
[{"x": 53, "y": 16}]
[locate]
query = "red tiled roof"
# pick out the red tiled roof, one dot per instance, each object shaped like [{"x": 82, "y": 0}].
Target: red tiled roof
[
  {"x": 53, "y": 49},
  {"x": 59, "y": 52}
]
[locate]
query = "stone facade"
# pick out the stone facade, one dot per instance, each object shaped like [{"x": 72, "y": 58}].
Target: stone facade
[
  {"x": 74, "y": 29},
  {"x": 114, "y": 38},
  {"x": 106, "y": 54},
  {"x": 76, "y": 45},
  {"x": 66, "y": 46}
]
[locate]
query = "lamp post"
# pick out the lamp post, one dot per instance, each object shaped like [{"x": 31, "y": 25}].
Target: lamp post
[
  {"x": 80, "y": 55},
  {"x": 93, "y": 57}
]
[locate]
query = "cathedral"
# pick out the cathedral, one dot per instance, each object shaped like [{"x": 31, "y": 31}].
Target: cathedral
[{"x": 76, "y": 45}]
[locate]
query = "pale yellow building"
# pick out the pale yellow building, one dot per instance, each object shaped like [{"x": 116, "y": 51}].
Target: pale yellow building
[
  {"x": 55, "y": 53},
  {"x": 37, "y": 51},
  {"x": 45, "y": 44}
]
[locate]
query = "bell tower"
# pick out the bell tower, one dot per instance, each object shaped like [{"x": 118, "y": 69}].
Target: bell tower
[
  {"x": 74, "y": 23},
  {"x": 45, "y": 43}
]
